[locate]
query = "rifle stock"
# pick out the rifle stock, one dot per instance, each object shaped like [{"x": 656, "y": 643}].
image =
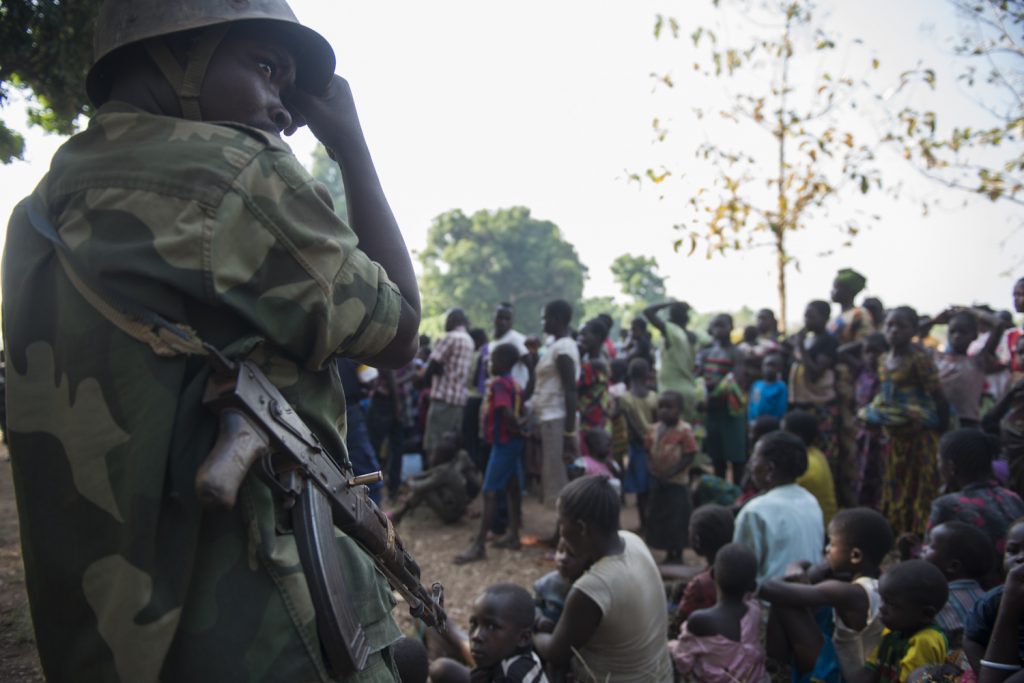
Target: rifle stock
[{"x": 258, "y": 424}]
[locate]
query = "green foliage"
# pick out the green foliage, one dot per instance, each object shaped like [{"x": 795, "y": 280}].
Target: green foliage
[
  {"x": 758, "y": 197},
  {"x": 327, "y": 171},
  {"x": 639, "y": 279},
  {"x": 478, "y": 261},
  {"x": 985, "y": 158},
  {"x": 45, "y": 51}
]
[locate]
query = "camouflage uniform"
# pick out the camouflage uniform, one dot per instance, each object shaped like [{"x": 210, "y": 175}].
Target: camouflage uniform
[{"x": 219, "y": 227}]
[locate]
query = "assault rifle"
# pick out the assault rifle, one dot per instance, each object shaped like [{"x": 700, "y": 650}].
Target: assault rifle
[{"x": 259, "y": 428}]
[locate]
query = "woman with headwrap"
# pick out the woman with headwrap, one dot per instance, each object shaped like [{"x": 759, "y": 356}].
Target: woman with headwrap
[{"x": 852, "y": 324}]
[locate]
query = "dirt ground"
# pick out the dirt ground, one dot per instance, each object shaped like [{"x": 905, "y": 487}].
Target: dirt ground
[{"x": 431, "y": 542}]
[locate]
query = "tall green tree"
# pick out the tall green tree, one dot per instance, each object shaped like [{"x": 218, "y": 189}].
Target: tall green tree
[
  {"x": 806, "y": 154},
  {"x": 478, "y": 261},
  {"x": 639, "y": 279},
  {"x": 45, "y": 52}
]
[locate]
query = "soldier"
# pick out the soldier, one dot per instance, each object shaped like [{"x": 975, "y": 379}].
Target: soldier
[{"x": 215, "y": 226}]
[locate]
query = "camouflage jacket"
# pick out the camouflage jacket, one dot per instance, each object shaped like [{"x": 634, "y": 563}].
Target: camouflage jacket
[{"x": 218, "y": 227}]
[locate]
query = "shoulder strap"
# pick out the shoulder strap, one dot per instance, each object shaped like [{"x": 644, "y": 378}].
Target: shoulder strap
[{"x": 162, "y": 336}]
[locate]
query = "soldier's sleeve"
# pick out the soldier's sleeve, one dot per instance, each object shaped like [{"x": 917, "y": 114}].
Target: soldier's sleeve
[{"x": 282, "y": 259}]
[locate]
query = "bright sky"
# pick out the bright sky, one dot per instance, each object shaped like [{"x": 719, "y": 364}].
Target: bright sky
[{"x": 482, "y": 105}]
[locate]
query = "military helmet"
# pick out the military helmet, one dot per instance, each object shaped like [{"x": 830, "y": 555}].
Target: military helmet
[{"x": 127, "y": 22}]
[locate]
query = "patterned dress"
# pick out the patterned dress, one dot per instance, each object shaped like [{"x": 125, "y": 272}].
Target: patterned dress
[
  {"x": 985, "y": 505},
  {"x": 905, "y": 409}
]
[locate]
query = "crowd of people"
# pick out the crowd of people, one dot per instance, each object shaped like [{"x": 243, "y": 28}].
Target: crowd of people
[{"x": 851, "y": 488}]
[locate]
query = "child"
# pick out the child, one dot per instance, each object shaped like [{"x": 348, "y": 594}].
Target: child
[
  {"x": 721, "y": 366},
  {"x": 599, "y": 460},
  {"x": 768, "y": 395},
  {"x": 911, "y": 410},
  {"x": 722, "y": 644},
  {"x": 818, "y": 478},
  {"x": 711, "y": 528},
  {"x": 784, "y": 524},
  {"x": 504, "y": 473},
  {"x": 592, "y": 383},
  {"x": 870, "y": 441},
  {"x": 964, "y": 554},
  {"x": 912, "y": 594},
  {"x": 617, "y": 388},
  {"x": 638, "y": 407},
  {"x": 707, "y": 489},
  {"x": 812, "y": 376},
  {"x": 962, "y": 377},
  {"x": 671, "y": 449},
  {"x": 843, "y": 591},
  {"x": 982, "y": 621},
  {"x": 447, "y": 487},
  {"x": 551, "y": 589},
  {"x": 500, "y": 629}
]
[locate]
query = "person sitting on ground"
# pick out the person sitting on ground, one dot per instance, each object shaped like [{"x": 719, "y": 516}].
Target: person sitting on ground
[
  {"x": 672, "y": 449},
  {"x": 503, "y": 403},
  {"x": 711, "y": 528},
  {"x": 784, "y": 524},
  {"x": 500, "y": 628},
  {"x": 722, "y": 644},
  {"x": 614, "y": 624},
  {"x": 707, "y": 489},
  {"x": 965, "y": 556},
  {"x": 825, "y": 618},
  {"x": 1002, "y": 660},
  {"x": 447, "y": 487},
  {"x": 550, "y": 590},
  {"x": 912, "y": 594},
  {"x": 411, "y": 660},
  {"x": 818, "y": 477},
  {"x": 965, "y": 462},
  {"x": 981, "y": 624}
]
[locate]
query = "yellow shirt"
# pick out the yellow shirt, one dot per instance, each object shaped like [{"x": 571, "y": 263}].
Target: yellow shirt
[
  {"x": 818, "y": 480},
  {"x": 899, "y": 654}
]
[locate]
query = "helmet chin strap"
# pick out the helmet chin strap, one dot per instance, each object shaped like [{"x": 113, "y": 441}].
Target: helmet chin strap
[{"x": 187, "y": 82}]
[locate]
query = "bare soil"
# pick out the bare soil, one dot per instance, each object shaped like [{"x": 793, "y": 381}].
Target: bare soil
[{"x": 430, "y": 541}]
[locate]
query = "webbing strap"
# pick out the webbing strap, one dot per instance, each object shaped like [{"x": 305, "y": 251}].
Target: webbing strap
[
  {"x": 188, "y": 82},
  {"x": 162, "y": 336}
]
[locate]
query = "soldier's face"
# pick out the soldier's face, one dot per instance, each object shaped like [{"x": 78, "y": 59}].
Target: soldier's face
[{"x": 248, "y": 81}]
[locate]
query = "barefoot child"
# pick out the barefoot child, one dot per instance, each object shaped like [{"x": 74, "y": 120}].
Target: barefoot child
[
  {"x": 671, "y": 449},
  {"x": 912, "y": 594},
  {"x": 639, "y": 407},
  {"x": 505, "y": 466},
  {"x": 964, "y": 554},
  {"x": 711, "y": 528},
  {"x": 500, "y": 629},
  {"x": 722, "y": 644},
  {"x": 846, "y": 585}
]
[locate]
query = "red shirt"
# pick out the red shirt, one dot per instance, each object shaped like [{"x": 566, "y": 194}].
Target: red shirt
[{"x": 502, "y": 391}]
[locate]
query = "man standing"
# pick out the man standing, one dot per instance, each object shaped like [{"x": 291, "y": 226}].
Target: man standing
[
  {"x": 504, "y": 334},
  {"x": 448, "y": 372},
  {"x": 156, "y": 214}
]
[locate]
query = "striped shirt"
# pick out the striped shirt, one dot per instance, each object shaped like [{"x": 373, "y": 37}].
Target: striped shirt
[
  {"x": 522, "y": 667},
  {"x": 963, "y": 593}
]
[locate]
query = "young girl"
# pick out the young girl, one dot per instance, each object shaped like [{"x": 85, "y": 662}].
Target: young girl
[
  {"x": 592, "y": 384},
  {"x": 722, "y": 644},
  {"x": 912, "y": 412},
  {"x": 870, "y": 439},
  {"x": 721, "y": 367},
  {"x": 812, "y": 377},
  {"x": 637, "y": 408},
  {"x": 711, "y": 529},
  {"x": 671, "y": 450}
]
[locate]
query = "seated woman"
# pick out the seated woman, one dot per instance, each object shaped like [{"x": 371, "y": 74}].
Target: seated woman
[{"x": 614, "y": 616}]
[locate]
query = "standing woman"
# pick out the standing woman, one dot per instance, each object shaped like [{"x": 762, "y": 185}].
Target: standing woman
[
  {"x": 614, "y": 627},
  {"x": 912, "y": 412},
  {"x": 552, "y": 388}
]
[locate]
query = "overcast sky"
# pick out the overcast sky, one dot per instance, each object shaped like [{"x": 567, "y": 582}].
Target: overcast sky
[{"x": 482, "y": 105}]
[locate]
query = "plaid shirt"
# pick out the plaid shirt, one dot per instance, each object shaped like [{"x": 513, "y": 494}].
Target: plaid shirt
[{"x": 455, "y": 354}]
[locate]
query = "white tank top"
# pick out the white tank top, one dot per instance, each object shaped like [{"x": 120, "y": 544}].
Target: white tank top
[{"x": 853, "y": 647}]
